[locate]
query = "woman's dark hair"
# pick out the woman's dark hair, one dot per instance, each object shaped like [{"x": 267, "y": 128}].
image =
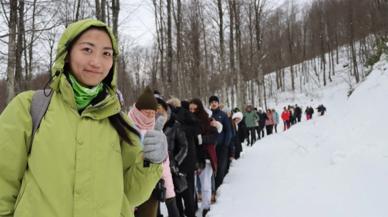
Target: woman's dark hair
[
  {"x": 122, "y": 127},
  {"x": 117, "y": 120},
  {"x": 201, "y": 114}
]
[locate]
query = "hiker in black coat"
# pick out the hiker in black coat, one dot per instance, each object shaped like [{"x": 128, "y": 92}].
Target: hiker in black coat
[
  {"x": 298, "y": 113},
  {"x": 190, "y": 126},
  {"x": 321, "y": 109},
  {"x": 262, "y": 119}
]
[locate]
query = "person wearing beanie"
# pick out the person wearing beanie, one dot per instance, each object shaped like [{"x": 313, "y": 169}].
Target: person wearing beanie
[
  {"x": 213, "y": 98},
  {"x": 143, "y": 112},
  {"x": 143, "y": 115},
  {"x": 223, "y": 140},
  {"x": 147, "y": 100}
]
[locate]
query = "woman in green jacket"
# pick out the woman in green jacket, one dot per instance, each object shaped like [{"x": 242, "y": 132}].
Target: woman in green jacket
[{"x": 85, "y": 159}]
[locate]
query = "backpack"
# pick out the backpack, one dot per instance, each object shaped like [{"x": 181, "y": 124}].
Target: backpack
[{"x": 39, "y": 106}]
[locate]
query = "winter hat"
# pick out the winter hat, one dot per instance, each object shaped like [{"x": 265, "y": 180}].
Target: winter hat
[
  {"x": 213, "y": 98},
  {"x": 235, "y": 110},
  {"x": 237, "y": 115},
  {"x": 163, "y": 103},
  {"x": 146, "y": 100},
  {"x": 185, "y": 104}
]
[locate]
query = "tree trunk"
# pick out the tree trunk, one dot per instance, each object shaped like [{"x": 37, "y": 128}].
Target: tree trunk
[
  {"x": 221, "y": 35},
  {"x": 169, "y": 46},
  {"x": 232, "y": 69},
  {"x": 258, "y": 6},
  {"x": 19, "y": 49},
  {"x": 11, "y": 64},
  {"x": 178, "y": 24},
  {"x": 77, "y": 8},
  {"x": 31, "y": 45},
  {"x": 103, "y": 10},
  {"x": 206, "y": 70},
  {"x": 115, "y": 17},
  {"x": 160, "y": 37},
  {"x": 241, "y": 92},
  {"x": 98, "y": 9}
]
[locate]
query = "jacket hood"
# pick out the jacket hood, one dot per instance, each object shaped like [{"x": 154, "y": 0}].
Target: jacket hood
[{"x": 66, "y": 40}]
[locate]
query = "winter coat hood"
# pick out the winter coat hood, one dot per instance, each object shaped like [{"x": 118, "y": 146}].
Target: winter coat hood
[
  {"x": 109, "y": 104},
  {"x": 71, "y": 33}
]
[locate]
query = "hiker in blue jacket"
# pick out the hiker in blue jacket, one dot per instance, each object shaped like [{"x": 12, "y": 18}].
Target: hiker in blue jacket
[{"x": 223, "y": 139}]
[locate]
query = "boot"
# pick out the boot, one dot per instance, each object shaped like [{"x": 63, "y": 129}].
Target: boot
[
  {"x": 213, "y": 199},
  {"x": 204, "y": 212}
]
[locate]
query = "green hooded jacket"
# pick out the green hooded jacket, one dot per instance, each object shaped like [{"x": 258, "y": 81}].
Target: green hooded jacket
[
  {"x": 251, "y": 119},
  {"x": 78, "y": 165}
]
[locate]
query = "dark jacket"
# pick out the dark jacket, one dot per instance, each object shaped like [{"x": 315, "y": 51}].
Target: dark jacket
[
  {"x": 298, "y": 112},
  {"x": 207, "y": 150},
  {"x": 242, "y": 132},
  {"x": 226, "y": 134},
  {"x": 190, "y": 126},
  {"x": 262, "y": 118},
  {"x": 177, "y": 142}
]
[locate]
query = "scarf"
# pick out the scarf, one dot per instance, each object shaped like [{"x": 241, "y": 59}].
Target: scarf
[
  {"x": 83, "y": 95},
  {"x": 142, "y": 122}
]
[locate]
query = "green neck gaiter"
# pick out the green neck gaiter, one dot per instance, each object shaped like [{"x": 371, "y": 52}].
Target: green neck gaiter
[{"x": 83, "y": 95}]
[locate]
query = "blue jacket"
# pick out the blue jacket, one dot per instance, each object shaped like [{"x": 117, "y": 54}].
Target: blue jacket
[{"x": 226, "y": 134}]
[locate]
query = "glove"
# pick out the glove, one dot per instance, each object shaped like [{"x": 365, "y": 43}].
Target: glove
[{"x": 155, "y": 146}]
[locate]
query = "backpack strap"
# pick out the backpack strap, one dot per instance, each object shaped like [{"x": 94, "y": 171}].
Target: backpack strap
[{"x": 39, "y": 105}]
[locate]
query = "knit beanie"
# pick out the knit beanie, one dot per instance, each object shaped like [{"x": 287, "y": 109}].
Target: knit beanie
[
  {"x": 213, "y": 98},
  {"x": 161, "y": 102},
  {"x": 146, "y": 100}
]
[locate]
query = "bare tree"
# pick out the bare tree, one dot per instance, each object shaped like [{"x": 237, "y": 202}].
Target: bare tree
[
  {"x": 169, "y": 45},
  {"x": 115, "y": 16},
  {"x": 19, "y": 48},
  {"x": 11, "y": 64}
]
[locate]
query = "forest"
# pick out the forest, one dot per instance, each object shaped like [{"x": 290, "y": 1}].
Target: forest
[{"x": 223, "y": 47}]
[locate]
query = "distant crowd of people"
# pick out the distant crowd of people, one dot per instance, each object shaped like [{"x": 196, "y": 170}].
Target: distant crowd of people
[{"x": 259, "y": 123}]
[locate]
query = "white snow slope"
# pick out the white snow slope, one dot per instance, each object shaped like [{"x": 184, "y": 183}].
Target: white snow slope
[{"x": 332, "y": 166}]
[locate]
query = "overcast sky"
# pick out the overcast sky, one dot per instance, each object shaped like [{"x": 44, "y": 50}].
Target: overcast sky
[{"x": 137, "y": 21}]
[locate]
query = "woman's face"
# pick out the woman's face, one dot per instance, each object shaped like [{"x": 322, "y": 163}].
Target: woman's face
[
  {"x": 149, "y": 113},
  {"x": 91, "y": 57},
  {"x": 161, "y": 111},
  {"x": 193, "y": 107}
]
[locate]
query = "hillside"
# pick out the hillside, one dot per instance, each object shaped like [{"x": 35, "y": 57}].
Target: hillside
[{"x": 335, "y": 165}]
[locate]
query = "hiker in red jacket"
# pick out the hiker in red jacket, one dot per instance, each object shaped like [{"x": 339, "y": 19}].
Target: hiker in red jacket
[{"x": 286, "y": 118}]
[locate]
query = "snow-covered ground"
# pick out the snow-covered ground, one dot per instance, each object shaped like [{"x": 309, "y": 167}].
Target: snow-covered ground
[{"x": 332, "y": 166}]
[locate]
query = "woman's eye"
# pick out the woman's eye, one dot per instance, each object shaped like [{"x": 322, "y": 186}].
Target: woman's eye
[
  {"x": 109, "y": 54},
  {"x": 87, "y": 50}
]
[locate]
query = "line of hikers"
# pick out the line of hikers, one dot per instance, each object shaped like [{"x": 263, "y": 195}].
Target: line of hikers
[
  {"x": 256, "y": 120},
  {"x": 201, "y": 144}
]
